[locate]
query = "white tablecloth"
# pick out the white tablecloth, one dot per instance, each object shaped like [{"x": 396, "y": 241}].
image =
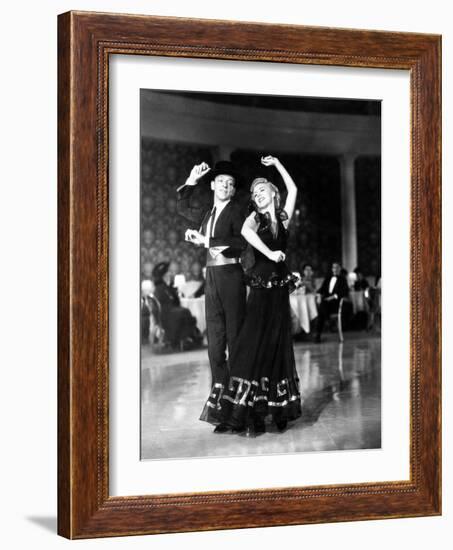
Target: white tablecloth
[
  {"x": 304, "y": 308},
  {"x": 189, "y": 288},
  {"x": 197, "y": 308}
]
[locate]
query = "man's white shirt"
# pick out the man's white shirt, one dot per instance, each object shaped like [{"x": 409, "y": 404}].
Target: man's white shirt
[
  {"x": 332, "y": 283},
  {"x": 215, "y": 250}
]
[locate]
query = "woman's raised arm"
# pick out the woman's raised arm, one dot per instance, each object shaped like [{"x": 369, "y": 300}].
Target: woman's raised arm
[{"x": 291, "y": 187}]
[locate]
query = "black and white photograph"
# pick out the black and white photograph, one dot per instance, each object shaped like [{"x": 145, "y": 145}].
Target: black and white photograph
[
  {"x": 199, "y": 201},
  {"x": 260, "y": 274}
]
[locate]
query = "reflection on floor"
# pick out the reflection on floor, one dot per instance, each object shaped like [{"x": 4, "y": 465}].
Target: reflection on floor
[{"x": 340, "y": 385}]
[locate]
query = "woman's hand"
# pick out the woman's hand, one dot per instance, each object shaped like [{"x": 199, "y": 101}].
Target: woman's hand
[
  {"x": 276, "y": 256},
  {"x": 270, "y": 161}
]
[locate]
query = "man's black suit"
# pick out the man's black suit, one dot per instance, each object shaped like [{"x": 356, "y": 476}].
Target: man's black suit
[
  {"x": 225, "y": 289},
  {"x": 340, "y": 290}
]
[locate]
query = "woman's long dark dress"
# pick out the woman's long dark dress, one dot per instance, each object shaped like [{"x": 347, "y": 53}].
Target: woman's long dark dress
[{"x": 263, "y": 378}]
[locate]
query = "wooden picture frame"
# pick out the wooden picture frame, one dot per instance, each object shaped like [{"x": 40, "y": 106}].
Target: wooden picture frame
[{"x": 85, "y": 41}]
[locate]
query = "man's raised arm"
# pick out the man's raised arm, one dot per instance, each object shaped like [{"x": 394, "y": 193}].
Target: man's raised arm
[{"x": 183, "y": 204}]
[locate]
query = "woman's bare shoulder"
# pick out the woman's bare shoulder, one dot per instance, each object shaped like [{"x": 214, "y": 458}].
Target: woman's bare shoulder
[{"x": 251, "y": 220}]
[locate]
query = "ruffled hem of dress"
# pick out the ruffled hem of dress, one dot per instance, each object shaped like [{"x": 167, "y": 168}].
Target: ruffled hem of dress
[{"x": 273, "y": 281}]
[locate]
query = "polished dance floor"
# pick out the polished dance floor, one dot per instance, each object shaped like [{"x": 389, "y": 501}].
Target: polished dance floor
[{"x": 340, "y": 386}]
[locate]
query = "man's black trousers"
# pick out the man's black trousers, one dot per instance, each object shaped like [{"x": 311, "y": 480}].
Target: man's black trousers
[{"x": 225, "y": 309}]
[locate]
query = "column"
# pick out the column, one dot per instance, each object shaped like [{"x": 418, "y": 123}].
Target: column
[{"x": 348, "y": 212}]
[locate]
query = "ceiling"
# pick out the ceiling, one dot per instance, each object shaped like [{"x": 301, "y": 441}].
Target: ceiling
[{"x": 287, "y": 103}]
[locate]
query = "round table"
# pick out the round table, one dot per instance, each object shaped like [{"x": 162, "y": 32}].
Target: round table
[
  {"x": 304, "y": 308},
  {"x": 196, "y": 306}
]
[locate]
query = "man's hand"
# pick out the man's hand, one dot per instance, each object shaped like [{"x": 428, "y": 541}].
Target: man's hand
[
  {"x": 197, "y": 172},
  {"x": 198, "y": 238},
  {"x": 330, "y": 298},
  {"x": 195, "y": 237}
]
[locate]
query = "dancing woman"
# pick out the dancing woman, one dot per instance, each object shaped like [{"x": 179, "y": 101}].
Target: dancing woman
[{"x": 263, "y": 379}]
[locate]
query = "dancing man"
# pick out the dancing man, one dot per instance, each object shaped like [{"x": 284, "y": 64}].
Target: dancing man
[{"x": 220, "y": 233}]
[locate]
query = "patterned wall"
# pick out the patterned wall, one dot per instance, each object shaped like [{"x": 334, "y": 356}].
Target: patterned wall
[{"x": 165, "y": 166}]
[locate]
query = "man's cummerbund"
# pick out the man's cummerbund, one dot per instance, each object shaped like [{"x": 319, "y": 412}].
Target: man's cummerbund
[{"x": 220, "y": 259}]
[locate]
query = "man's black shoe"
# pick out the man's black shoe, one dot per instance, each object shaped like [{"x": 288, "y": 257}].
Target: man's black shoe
[
  {"x": 221, "y": 429},
  {"x": 282, "y": 425},
  {"x": 259, "y": 427},
  {"x": 238, "y": 429}
]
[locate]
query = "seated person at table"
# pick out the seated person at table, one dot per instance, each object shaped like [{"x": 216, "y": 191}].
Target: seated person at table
[
  {"x": 179, "y": 324},
  {"x": 360, "y": 283},
  {"x": 196, "y": 276},
  {"x": 332, "y": 290},
  {"x": 150, "y": 312},
  {"x": 307, "y": 280},
  {"x": 196, "y": 272},
  {"x": 374, "y": 303},
  {"x": 146, "y": 309}
]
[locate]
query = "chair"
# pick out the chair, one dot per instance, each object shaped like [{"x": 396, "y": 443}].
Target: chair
[
  {"x": 374, "y": 302},
  {"x": 156, "y": 331},
  {"x": 337, "y": 317}
]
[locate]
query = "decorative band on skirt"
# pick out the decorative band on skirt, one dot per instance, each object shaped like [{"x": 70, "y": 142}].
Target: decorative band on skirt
[{"x": 238, "y": 402}]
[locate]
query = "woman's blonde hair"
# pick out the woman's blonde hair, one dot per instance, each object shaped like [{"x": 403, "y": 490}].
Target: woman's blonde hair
[{"x": 277, "y": 197}]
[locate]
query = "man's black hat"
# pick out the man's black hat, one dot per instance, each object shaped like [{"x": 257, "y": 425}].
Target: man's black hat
[
  {"x": 224, "y": 167},
  {"x": 159, "y": 271}
]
